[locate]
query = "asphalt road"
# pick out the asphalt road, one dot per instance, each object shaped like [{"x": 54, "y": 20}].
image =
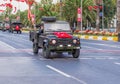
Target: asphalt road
[{"x": 99, "y": 63}]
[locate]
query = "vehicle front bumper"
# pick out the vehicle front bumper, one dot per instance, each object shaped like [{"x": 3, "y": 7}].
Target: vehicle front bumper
[{"x": 63, "y": 48}]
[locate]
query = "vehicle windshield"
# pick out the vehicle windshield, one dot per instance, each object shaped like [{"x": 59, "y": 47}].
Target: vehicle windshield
[{"x": 51, "y": 27}]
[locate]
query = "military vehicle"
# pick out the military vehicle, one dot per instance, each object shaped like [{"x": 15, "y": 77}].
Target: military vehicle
[
  {"x": 16, "y": 26},
  {"x": 54, "y": 36}
]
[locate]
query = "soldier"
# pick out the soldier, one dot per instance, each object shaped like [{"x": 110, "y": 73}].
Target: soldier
[{"x": 41, "y": 29}]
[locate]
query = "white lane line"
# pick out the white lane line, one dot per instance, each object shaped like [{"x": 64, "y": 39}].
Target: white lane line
[
  {"x": 60, "y": 72},
  {"x": 117, "y": 63},
  {"x": 5, "y": 45},
  {"x": 85, "y": 58},
  {"x": 92, "y": 47},
  {"x": 114, "y": 46},
  {"x": 65, "y": 74}
]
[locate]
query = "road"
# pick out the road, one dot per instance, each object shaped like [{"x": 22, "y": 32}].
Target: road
[{"x": 99, "y": 63}]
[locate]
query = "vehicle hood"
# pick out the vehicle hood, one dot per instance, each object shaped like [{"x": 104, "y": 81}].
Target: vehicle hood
[{"x": 60, "y": 35}]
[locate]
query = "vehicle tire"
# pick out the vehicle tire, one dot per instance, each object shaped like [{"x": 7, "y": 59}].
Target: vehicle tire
[
  {"x": 76, "y": 53},
  {"x": 35, "y": 48},
  {"x": 46, "y": 52},
  {"x": 17, "y": 32},
  {"x": 20, "y": 32}
]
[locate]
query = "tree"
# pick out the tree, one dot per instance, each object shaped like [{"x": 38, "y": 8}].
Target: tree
[
  {"x": 70, "y": 11},
  {"x": 118, "y": 16},
  {"x": 109, "y": 11}
]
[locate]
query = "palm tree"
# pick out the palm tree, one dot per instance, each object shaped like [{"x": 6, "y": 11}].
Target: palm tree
[{"x": 70, "y": 10}]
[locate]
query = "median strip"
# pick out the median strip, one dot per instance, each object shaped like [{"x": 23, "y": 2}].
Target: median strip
[{"x": 106, "y": 38}]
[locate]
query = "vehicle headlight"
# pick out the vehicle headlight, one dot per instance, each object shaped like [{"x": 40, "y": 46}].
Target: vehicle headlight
[
  {"x": 53, "y": 41},
  {"x": 74, "y": 41}
]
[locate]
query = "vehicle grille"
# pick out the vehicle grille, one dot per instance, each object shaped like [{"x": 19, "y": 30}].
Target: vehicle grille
[{"x": 64, "y": 41}]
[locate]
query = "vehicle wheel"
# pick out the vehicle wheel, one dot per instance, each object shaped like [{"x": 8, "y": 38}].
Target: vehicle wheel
[
  {"x": 76, "y": 53},
  {"x": 9, "y": 31},
  {"x": 20, "y": 32},
  {"x": 46, "y": 52},
  {"x": 35, "y": 48}
]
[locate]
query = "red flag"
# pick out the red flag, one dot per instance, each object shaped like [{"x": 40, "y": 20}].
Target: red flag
[
  {"x": 2, "y": 10},
  {"x": 3, "y": 5},
  {"x": 101, "y": 7},
  {"x": 15, "y": 9},
  {"x": 29, "y": 14},
  {"x": 95, "y": 7},
  {"x": 33, "y": 18},
  {"x": 41, "y": 9},
  {"x": 9, "y": 5},
  {"x": 79, "y": 12},
  {"x": 21, "y": 0},
  {"x": 30, "y": 2},
  {"x": 90, "y": 7}
]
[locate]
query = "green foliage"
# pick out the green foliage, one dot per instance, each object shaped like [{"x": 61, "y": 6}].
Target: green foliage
[
  {"x": 70, "y": 10},
  {"x": 109, "y": 11}
]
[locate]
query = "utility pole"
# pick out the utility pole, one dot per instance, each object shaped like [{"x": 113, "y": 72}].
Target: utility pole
[{"x": 118, "y": 16}]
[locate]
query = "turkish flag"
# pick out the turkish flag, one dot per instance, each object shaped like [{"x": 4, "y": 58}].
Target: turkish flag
[
  {"x": 29, "y": 14},
  {"x": 30, "y": 2},
  {"x": 21, "y": 0},
  {"x": 2, "y": 10},
  {"x": 79, "y": 12},
  {"x": 9, "y": 5}
]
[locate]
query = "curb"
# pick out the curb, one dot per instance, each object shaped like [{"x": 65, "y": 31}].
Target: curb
[{"x": 105, "y": 38}]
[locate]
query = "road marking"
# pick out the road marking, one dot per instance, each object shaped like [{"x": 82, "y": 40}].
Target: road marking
[
  {"x": 86, "y": 58},
  {"x": 65, "y": 74},
  {"x": 99, "y": 57},
  {"x": 60, "y": 72},
  {"x": 117, "y": 63},
  {"x": 92, "y": 47},
  {"x": 4, "y": 45},
  {"x": 114, "y": 46}
]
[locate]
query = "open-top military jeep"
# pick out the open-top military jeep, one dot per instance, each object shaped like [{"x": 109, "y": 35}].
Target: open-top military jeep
[
  {"x": 56, "y": 36},
  {"x": 16, "y": 26}
]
